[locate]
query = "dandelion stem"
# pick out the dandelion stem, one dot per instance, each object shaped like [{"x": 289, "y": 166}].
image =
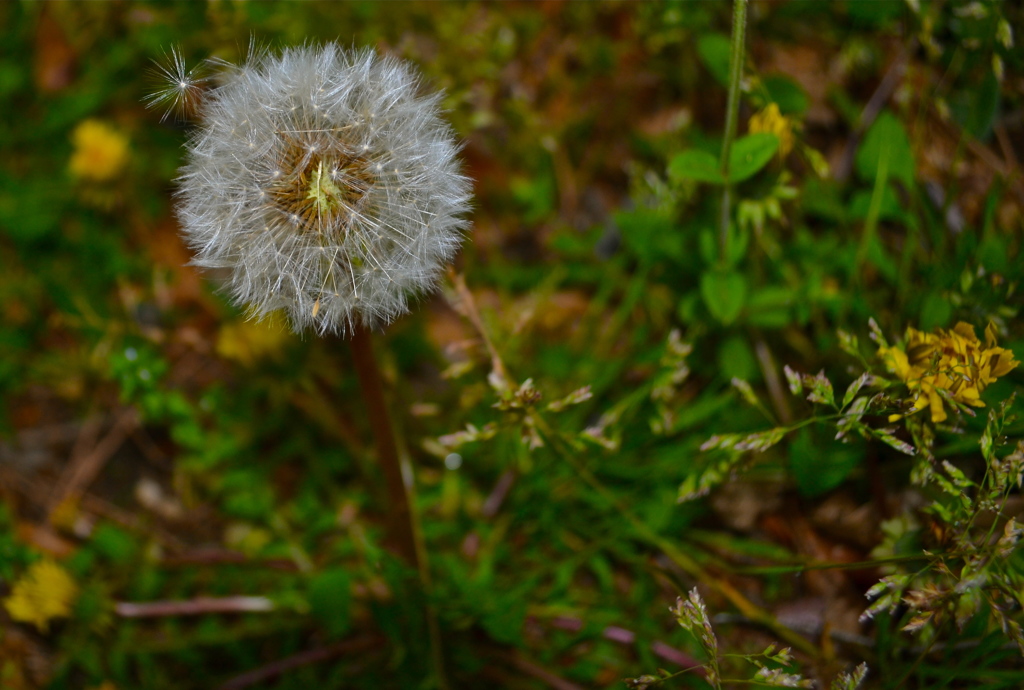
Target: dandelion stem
[
  {"x": 402, "y": 526},
  {"x": 401, "y": 530},
  {"x": 739, "y": 25}
]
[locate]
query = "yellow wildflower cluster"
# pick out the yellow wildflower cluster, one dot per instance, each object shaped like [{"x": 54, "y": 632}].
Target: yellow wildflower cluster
[
  {"x": 771, "y": 120},
  {"x": 44, "y": 592},
  {"x": 953, "y": 361},
  {"x": 100, "y": 151}
]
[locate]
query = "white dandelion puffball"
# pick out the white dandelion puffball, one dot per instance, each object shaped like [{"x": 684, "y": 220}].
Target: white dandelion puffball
[{"x": 325, "y": 184}]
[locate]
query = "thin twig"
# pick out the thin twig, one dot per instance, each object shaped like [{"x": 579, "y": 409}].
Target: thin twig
[
  {"x": 311, "y": 656},
  {"x": 770, "y": 371},
  {"x": 497, "y": 496},
  {"x": 1010, "y": 158},
  {"x": 193, "y": 607},
  {"x": 469, "y": 309},
  {"x": 221, "y": 556},
  {"x": 85, "y": 465},
  {"x": 535, "y": 670}
]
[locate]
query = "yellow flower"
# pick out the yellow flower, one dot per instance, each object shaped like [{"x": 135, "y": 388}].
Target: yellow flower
[
  {"x": 100, "y": 151},
  {"x": 247, "y": 342},
  {"x": 953, "y": 361},
  {"x": 772, "y": 120},
  {"x": 45, "y": 591}
]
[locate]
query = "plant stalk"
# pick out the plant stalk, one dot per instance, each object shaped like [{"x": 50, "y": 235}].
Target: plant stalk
[
  {"x": 401, "y": 527},
  {"x": 403, "y": 530},
  {"x": 736, "y": 57}
]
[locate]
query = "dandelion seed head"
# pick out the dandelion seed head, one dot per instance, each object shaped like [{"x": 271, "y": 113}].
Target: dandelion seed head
[{"x": 326, "y": 184}]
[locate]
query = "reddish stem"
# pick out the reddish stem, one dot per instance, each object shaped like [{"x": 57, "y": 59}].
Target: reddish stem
[{"x": 401, "y": 531}]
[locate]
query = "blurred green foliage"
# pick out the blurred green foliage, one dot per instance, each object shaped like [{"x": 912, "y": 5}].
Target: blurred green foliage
[{"x": 593, "y": 131}]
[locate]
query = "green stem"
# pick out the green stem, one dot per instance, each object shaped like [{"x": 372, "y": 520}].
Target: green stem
[
  {"x": 736, "y": 56},
  {"x": 403, "y": 529},
  {"x": 874, "y": 210}
]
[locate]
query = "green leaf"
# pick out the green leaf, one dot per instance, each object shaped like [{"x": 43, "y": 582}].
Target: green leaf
[
  {"x": 330, "y": 600},
  {"x": 890, "y": 207},
  {"x": 820, "y": 464},
  {"x": 886, "y": 138},
  {"x": 702, "y": 409},
  {"x": 114, "y": 543},
  {"x": 43, "y": 198},
  {"x": 536, "y": 195},
  {"x": 751, "y": 153},
  {"x": 697, "y": 165},
  {"x": 651, "y": 235},
  {"x": 975, "y": 109},
  {"x": 736, "y": 360},
  {"x": 879, "y": 257},
  {"x": 994, "y": 253},
  {"x": 504, "y": 622},
  {"x": 739, "y": 238},
  {"x": 708, "y": 244},
  {"x": 747, "y": 156},
  {"x": 724, "y": 293},
  {"x": 771, "y": 307},
  {"x": 936, "y": 311},
  {"x": 875, "y": 13},
  {"x": 714, "y": 49},
  {"x": 785, "y": 93}
]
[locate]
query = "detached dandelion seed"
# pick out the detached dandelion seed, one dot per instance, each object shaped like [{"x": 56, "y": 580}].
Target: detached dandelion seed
[
  {"x": 180, "y": 89},
  {"x": 325, "y": 185}
]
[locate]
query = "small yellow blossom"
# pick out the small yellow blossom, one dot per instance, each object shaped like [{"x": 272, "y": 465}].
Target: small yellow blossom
[
  {"x": 100, "y": 151},
  {"x": 247, "y": 342},
  {"x": 771, "y": 120},
  {"x": 45, "y": 591},
  {"x": 953, "y": 361}
]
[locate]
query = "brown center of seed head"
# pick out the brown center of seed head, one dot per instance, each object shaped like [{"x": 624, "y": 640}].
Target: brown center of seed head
[{"x": 320, "y": 184}]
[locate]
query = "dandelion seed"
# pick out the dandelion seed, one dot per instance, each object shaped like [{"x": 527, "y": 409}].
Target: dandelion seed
[
  {"x": 314, "y": 211},
  {"x": 180, "y": 89}
]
